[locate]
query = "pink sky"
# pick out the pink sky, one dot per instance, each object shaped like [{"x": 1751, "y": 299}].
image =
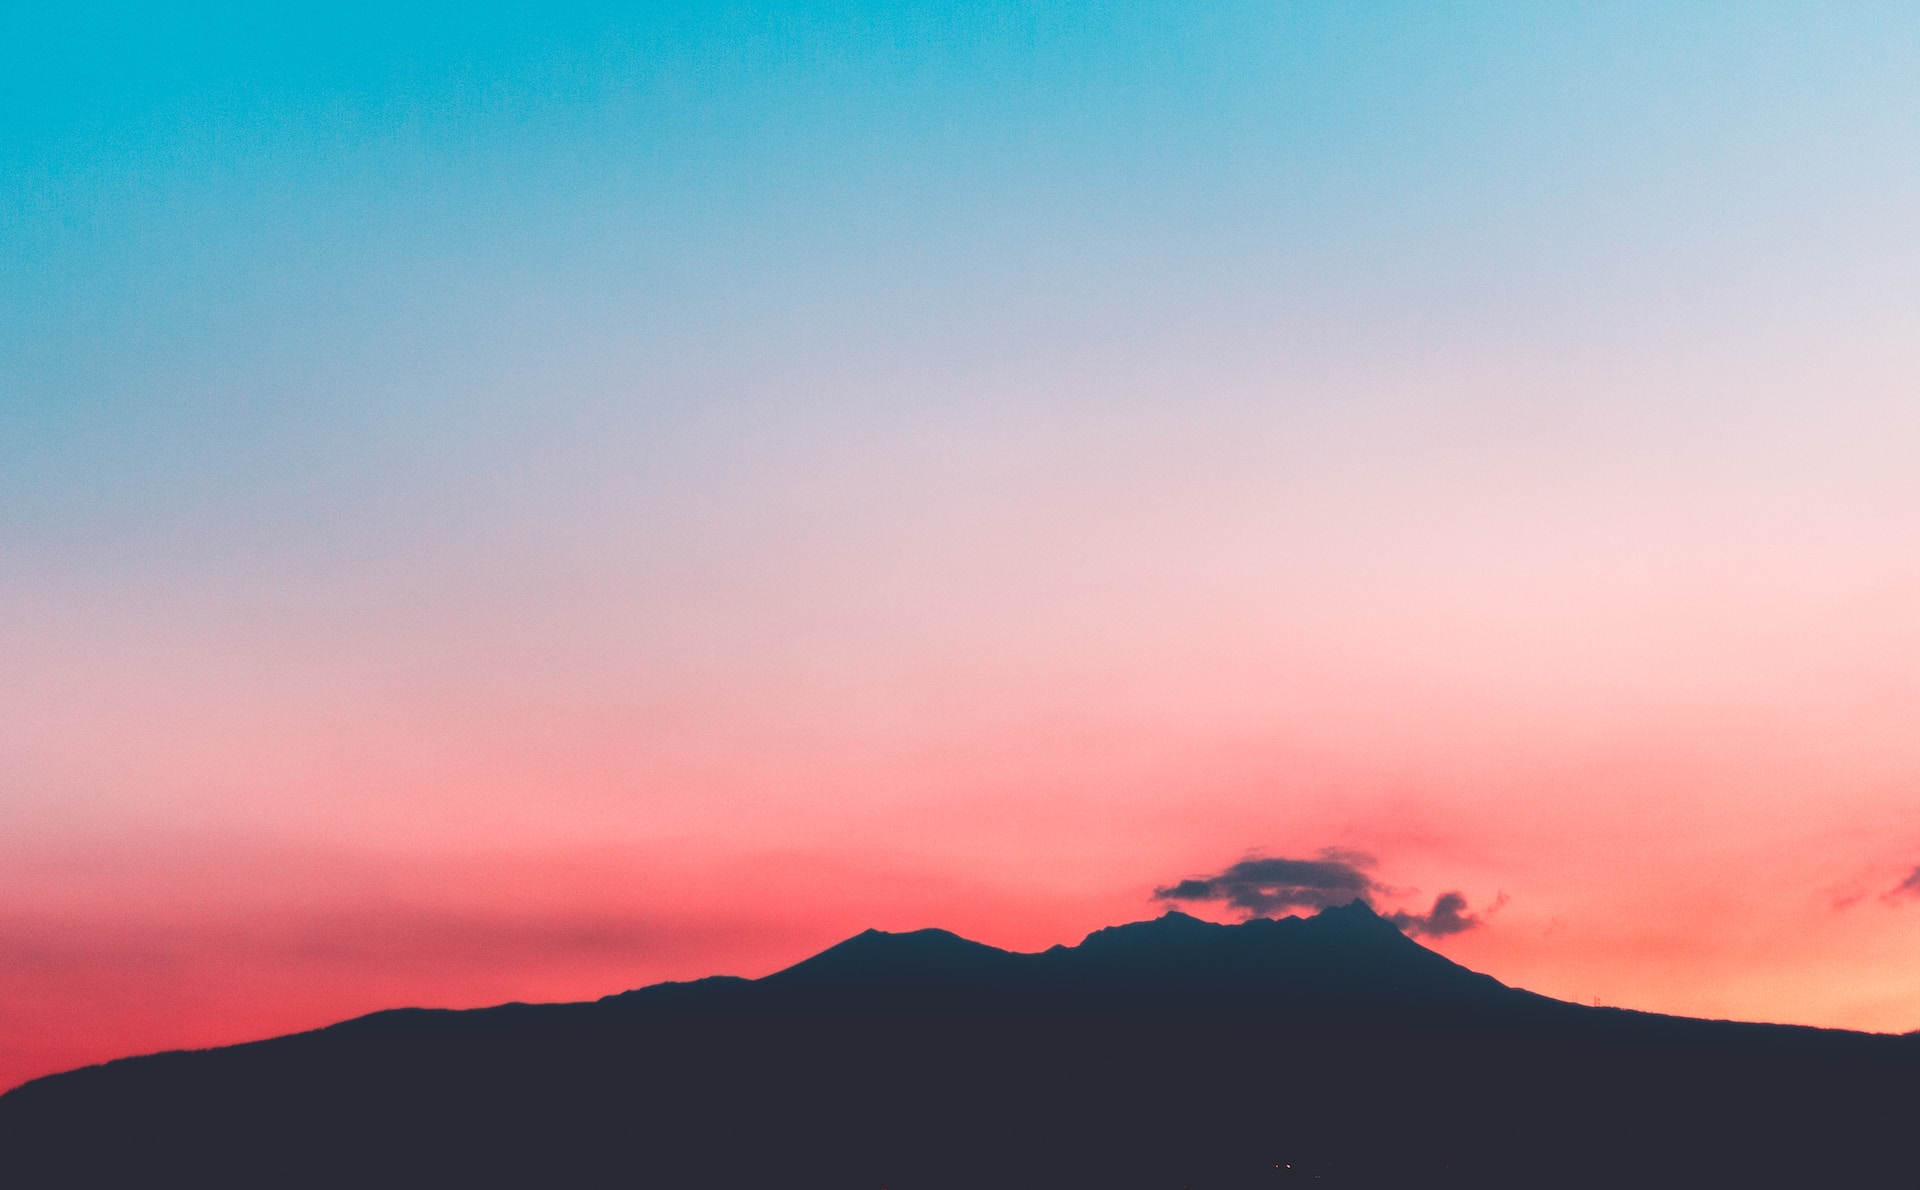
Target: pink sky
[{"x": 1671, "y": 728}]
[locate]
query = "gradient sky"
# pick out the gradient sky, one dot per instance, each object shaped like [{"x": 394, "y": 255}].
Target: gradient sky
[{"x": 500, "y": 505}]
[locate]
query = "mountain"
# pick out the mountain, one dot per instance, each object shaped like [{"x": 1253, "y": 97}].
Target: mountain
[{"x": 1324, "y": 1051}]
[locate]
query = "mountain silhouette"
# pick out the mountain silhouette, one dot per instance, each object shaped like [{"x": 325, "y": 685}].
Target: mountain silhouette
[{"x": 1324, "y": 1051}]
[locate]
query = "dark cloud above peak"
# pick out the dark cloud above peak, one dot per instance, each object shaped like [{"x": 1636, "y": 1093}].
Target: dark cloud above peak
[
  {"x": 1261, "y": 886},
  {"x": 1448, "y": 916}
]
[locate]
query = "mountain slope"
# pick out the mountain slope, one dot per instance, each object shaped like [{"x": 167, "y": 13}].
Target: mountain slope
[{"x": 1327, "y": 1051}]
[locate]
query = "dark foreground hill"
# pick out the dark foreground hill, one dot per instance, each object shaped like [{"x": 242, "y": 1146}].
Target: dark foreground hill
[{"x": 1330, "y": 1051}]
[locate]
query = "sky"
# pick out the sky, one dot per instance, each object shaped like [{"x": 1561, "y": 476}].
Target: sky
[{"x": 521, "y": 505}]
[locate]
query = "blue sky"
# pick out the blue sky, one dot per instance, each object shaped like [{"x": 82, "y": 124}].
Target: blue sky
[{"x": 302, "y": 240}]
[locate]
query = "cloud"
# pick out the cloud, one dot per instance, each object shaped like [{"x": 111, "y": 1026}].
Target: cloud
[
  {"x": 1449, "y": 916},
  {"x": 1910, "y": 887},
  {"x": 1261, "y": 886}
]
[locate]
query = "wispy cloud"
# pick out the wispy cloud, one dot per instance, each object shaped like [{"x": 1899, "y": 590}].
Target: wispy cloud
[{"x": 1910, "y": 887}]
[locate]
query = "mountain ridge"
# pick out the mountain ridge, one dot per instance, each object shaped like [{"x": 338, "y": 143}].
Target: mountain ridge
[{"x": 1154, "y": 1054}]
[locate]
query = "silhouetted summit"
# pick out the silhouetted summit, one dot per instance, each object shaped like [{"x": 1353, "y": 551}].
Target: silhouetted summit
[
  {"x": 1327, "y": 1051},
  {"x": 875, "y": 959}
]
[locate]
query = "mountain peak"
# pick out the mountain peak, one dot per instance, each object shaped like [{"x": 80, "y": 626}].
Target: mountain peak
[
  {"x": 1172, "y": 925},
  {"x": 916, "y": 956},
  {"x": 1356, "y": 915},
  {"x": 1356, "y": 919}
]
